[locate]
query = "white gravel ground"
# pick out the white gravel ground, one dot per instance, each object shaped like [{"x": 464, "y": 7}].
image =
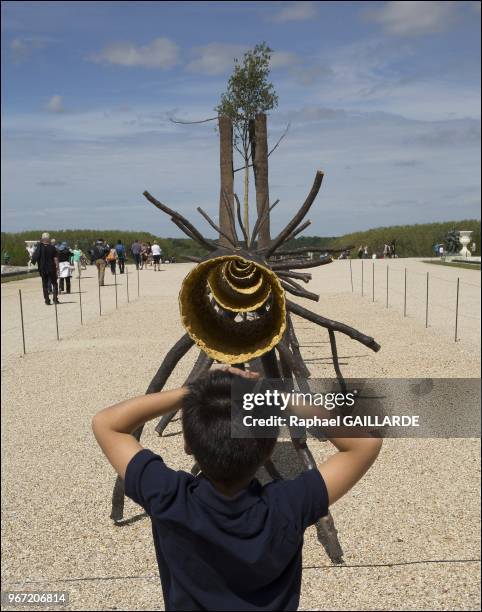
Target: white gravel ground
[{"x": 410, "y": 528}]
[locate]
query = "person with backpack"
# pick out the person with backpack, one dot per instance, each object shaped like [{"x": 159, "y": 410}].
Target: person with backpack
[
  {"x": 47, "y": 260},
  {"x": 99, "y": 255},
  {"x": 121, "y": 255},
  {"x": 65, "y": 267}
]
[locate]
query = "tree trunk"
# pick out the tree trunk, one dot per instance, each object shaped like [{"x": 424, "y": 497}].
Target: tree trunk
[
  {"x": 259, "y": 150},
  {"x": 227, "y": 177},
  {"x": 246, "y": 196}
]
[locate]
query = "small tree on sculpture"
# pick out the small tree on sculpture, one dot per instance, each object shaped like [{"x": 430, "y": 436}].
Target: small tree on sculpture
[{"x": 249, "y": 92}]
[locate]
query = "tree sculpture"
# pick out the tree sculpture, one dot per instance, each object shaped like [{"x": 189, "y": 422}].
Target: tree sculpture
[
  {"x": 234, "y": 307},
  {"x": 452, "y": 242}
]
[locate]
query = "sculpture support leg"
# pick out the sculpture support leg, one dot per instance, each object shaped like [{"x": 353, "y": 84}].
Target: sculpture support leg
[{"x": 172, "y": 358}]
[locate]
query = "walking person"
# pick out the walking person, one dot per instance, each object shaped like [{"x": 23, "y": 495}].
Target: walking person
[
  {"x": 136, "y": 249},
  {"x": 65, "y": 269},
  {"x": 365, "y": 252},
  {"x": 99, "y": 255},
  {"x": 121, "y": 256},
  {"x": 112, "y": 259},
  {"x": 46, "y": 258},
  {"x": 77, "y": 259},
  {"x": 156, "y": 256},
  {"x": 144, "y": 255},
  {"x": 360, "y": 252}
]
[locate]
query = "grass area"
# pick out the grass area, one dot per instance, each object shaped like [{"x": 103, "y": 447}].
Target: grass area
[
  {"x": 16, "y": 277},
  {"x": 454, "y": 264}
]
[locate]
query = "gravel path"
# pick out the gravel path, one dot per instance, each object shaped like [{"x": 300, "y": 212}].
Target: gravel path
[{"x": 410, "y": 528}]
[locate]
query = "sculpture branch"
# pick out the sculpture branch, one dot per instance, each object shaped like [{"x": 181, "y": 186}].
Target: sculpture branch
[
  {"x": 216, "y": 227},
  {"x": 175, "y": 215},
  {"x": 232, "y": 222},
  {"x": 300, "y": 263},
  {"x": 333, "y": 325},
  {"x": 300, "y": 292},
  {"x": 260, "y": 221},
  {"x": 240, "y": 221},
  {"x": 300, "y": 215},
  {"x": 304, "y": 276}
]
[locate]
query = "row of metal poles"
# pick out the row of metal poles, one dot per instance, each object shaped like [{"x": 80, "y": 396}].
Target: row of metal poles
[
  {"x": 80, "y": 303},
  {"x": 405, "y": 293}
]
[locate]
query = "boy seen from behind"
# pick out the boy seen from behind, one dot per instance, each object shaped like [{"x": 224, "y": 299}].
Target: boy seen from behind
[{"x": 222, "y": 540}]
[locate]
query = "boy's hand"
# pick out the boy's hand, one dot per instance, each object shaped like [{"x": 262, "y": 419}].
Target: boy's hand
[{"x": 236, "y": 371}]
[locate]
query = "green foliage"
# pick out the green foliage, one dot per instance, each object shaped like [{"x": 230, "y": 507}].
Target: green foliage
[
  {"x": 248, "y": 93},
  {"x": 14, "y": 243},
  {"x": 411, "y": 240}
]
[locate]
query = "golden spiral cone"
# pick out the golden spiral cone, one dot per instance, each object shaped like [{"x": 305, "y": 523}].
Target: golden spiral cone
[{"x": 219, "y": 292}]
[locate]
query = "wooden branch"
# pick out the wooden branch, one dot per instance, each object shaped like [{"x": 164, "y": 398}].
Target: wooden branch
[
  {"x": 260, "y": 221},
  {"x": 191, "y": 258},
  {"x": 333, "y": 325},
  {"x": 336, "y": 363},
  {"x": 240, "y": 220},
  {"x": 300, "y": 292},
  {"x": 269, "y": 152},
  {"x": 314, "y": 250},
  {"x": 300, "y": 263},
  {"x": 300, "y": 215},
  {"x": 232, "y": 222},
  {"x": 191, "y": 122},
  {"x": 216, "y": 227},
  {"x": 295, "y": 233},
  {"x": 201, "y": 365},
  {"x": 189, "y": 234},
  {"x": 175, "y": 354},
  {"x": 295, "y": 347},
  {"x": 175, "y": 215},
  {"x": 304, "y": 276},
  {"x": 280, "y": 139}
]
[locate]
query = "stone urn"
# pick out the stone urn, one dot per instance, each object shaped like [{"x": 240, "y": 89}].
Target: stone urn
[{"x": 464, "y": 238}]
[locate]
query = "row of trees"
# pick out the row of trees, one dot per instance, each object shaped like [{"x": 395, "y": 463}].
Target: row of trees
[{"x": 412, "y": 240}]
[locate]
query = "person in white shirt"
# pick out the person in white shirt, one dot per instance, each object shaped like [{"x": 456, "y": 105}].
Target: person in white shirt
[{"x": 156, "y": 256}]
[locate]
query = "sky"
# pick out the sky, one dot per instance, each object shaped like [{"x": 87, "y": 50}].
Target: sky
[{"x": 384, "y": 97}]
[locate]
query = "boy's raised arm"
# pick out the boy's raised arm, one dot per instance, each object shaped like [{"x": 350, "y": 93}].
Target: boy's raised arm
[{"x": 113, "y": 426}]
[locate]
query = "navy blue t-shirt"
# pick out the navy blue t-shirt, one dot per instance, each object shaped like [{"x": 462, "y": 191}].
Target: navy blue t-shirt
[{"x": 226, "y": 553}]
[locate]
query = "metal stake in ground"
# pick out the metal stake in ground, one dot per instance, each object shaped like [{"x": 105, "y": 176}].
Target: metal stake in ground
[
  {"x": 457, "y": 309},
  {"x": 80, "y": 302},
  {"x": 373, "y": 281},
  {"x": 387, "y": 289},
  {"x": 56, "y": 319},
  {"x": 362, "y": 277},
  {"x": 351, "y": 276},
  {"x": 21, "y": 320},
  {"x": 426, "y": 304},
  {"x": 405, "y": 294},
  {"x": 127, "y": 282}
]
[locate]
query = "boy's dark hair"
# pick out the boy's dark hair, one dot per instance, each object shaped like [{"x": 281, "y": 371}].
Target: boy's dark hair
[{"x": 206, "y": 420}]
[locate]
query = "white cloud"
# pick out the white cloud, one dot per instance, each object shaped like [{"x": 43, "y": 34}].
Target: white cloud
[
  {"x": 161, "y": 53},
  {"x": 215, "y": 58},
  {"x": 407, "y": 18},
  {"x": 55, "y": 104},
  {"x": 22, "y": 48},
  {"x": 284, "y": 59},
  {"x": 298, "y": 11}
]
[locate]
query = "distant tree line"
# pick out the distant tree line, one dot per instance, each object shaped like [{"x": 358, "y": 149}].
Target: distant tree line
[{"x": 411, "y": 240}]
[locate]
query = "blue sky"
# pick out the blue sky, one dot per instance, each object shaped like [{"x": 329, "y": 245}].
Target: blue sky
[{"x": 382, "y": 96}]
